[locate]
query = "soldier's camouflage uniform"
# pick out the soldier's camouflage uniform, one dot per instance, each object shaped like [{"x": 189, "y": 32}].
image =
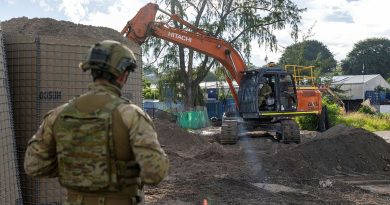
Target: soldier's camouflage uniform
[{"x": 134, "y": 140}]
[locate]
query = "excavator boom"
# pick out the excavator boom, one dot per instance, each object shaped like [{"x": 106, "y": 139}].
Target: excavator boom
[{"x": 143, "y": 25}]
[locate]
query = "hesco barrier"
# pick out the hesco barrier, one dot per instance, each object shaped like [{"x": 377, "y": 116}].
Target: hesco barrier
[
  {"x": 9, "y": 178},
  {"x": 43, "y": 74}
]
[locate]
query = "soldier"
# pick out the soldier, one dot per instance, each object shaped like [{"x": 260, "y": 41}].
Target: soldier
[
  {"x": 102, "y": 148},
  {"x": 264, "y": 92}
]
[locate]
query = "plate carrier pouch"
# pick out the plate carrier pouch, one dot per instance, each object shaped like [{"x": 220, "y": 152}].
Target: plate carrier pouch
[{"x": 85, "y": 151}]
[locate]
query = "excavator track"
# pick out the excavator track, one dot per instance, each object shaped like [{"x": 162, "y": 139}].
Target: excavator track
[
  {"x": 289, "y": 132},
  {"x": 229, "y": 132}
]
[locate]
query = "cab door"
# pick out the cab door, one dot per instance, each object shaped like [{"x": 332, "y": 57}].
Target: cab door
[{"x": 286, "y": 93}]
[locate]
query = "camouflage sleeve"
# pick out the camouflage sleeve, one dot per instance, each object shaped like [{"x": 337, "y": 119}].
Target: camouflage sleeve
[
  {"x": 143, "y": 138},
  {"x": 40, "y": 157}
]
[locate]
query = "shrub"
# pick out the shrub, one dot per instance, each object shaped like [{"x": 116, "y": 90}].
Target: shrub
[{"x": 366, "y": 110}]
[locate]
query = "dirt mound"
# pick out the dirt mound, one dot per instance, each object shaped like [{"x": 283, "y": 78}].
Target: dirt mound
[
  {"x": 174, "y": 138},
  {"x": 214, "y": 151},
  {"x": 341, "y": 149},
  {"x": 52, "y": 27}
]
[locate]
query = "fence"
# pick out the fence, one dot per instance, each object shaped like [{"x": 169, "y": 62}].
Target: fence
[
  {"x": 10, "y": 192},
  {"x": 216, "y": 108}
]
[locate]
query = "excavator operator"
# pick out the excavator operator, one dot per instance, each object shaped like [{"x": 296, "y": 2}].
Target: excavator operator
[{"x": 264, "y": 92}]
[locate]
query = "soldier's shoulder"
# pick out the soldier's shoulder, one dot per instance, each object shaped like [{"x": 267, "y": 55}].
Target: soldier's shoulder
[
  {"x": 132, "y": 109},
  {"x": 50, "y": 117},
  {"x": 53, "y": 113},
  {"x": 126, "y": 100}
]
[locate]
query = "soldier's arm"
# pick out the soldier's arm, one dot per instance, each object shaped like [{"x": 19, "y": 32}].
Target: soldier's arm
[
  {"x": 147, "y": 150},
  {"x": 40, "y": 157}
]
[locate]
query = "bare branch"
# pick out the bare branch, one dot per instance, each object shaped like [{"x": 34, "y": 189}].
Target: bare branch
[
  {"x": 216, "y": 10},
  {"x": 222, "y": 20},
  {"x": 193, "y": 5},
  {"x": 254, "y": 26},
  {"x": 203, "y": 74},
  {"x": 158, "y": 55},
  {"x": 200, "y": 13}
]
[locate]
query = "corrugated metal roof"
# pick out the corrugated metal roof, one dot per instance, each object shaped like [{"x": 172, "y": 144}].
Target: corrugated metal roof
[
  {"x": 216, "y": 84},
  {"x": 352, "y": 79}
]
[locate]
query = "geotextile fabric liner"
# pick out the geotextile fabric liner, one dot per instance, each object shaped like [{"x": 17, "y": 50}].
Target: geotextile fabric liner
[
  {"x": 44, "y": 74},
  {"x": 9, "y": 176},
  {"x": 193, "y": 119}
]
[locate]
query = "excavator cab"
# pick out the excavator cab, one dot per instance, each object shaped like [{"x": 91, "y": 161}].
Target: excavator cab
[
  {"x": 266, "y": 92},
  {"x": 267, "y": 101}
]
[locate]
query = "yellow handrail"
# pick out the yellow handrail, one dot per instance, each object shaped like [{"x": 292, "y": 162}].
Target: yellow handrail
[{"x": 300, "y": 76}]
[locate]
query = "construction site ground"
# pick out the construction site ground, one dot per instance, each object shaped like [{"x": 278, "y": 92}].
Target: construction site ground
[{"x": 341, "y": 166}]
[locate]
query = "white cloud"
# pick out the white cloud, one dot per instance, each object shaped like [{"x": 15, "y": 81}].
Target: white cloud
[
  {"x": 43, "y": 4},
  {"x": 370, "y": 19},
  {"x": 11, "y": 2},
  {"x": 114, "y": 16},
  {"x": 76, "y": 10}
]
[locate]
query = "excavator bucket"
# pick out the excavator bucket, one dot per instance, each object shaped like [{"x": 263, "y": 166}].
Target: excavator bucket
[{"x": 138, "y": 27}]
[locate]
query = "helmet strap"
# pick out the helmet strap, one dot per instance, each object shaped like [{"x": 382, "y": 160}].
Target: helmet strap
[{"x": 122, "y": 79}]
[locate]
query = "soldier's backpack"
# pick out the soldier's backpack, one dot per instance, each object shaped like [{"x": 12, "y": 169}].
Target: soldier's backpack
[{"x": 85, "y": 148}]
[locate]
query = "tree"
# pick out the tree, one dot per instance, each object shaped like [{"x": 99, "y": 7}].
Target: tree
[
  {"x": 147, "y": 91},
  {"x": 309, "y": 53},
  {"x": 373, "y": 53},
  {"x": 238, "y": 22}
]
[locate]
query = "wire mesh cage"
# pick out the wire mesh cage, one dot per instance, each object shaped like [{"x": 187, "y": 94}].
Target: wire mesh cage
[
  {"x": 9, "y": 176},
  {"x": 44, "y": 74}
]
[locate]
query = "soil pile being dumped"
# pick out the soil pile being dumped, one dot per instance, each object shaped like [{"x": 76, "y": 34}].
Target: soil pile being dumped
[
  {"x": 52, "y": 27},
  {"x": 341, "y": 149}
]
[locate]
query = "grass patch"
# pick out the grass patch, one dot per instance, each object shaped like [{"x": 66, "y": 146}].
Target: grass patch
[{"x": 372, "y": 123}]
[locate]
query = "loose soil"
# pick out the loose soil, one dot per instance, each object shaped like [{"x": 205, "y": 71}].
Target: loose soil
[
  {"x": 333, "y": 167},
  {"x": 52, "y": 27}
]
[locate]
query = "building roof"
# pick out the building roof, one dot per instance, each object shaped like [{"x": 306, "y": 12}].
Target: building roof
[
  {"x": 352, "y": 79},
  {"x": 216, "y": 84}
]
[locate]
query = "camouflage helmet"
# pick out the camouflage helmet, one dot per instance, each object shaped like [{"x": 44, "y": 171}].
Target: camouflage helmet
[{"x": 109, "y": 56}]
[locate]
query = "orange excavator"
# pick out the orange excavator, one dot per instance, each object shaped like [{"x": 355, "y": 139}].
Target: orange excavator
[{"x": 273, "y": 113}]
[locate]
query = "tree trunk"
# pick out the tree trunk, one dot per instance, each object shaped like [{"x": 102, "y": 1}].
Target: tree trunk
[{"x": 188, "y": 98}]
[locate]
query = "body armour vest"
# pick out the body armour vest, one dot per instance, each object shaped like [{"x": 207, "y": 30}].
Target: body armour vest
[{"x": 86, "y": 152}]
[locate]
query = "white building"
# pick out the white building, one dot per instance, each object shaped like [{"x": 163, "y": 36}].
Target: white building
[{"x": 355, "y": 88}]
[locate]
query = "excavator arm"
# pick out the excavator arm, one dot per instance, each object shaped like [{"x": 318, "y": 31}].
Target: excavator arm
[{"x": 143, "y": 25}]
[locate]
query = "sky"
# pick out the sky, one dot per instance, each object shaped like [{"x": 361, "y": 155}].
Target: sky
[{"x": 339, "y": 24}]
